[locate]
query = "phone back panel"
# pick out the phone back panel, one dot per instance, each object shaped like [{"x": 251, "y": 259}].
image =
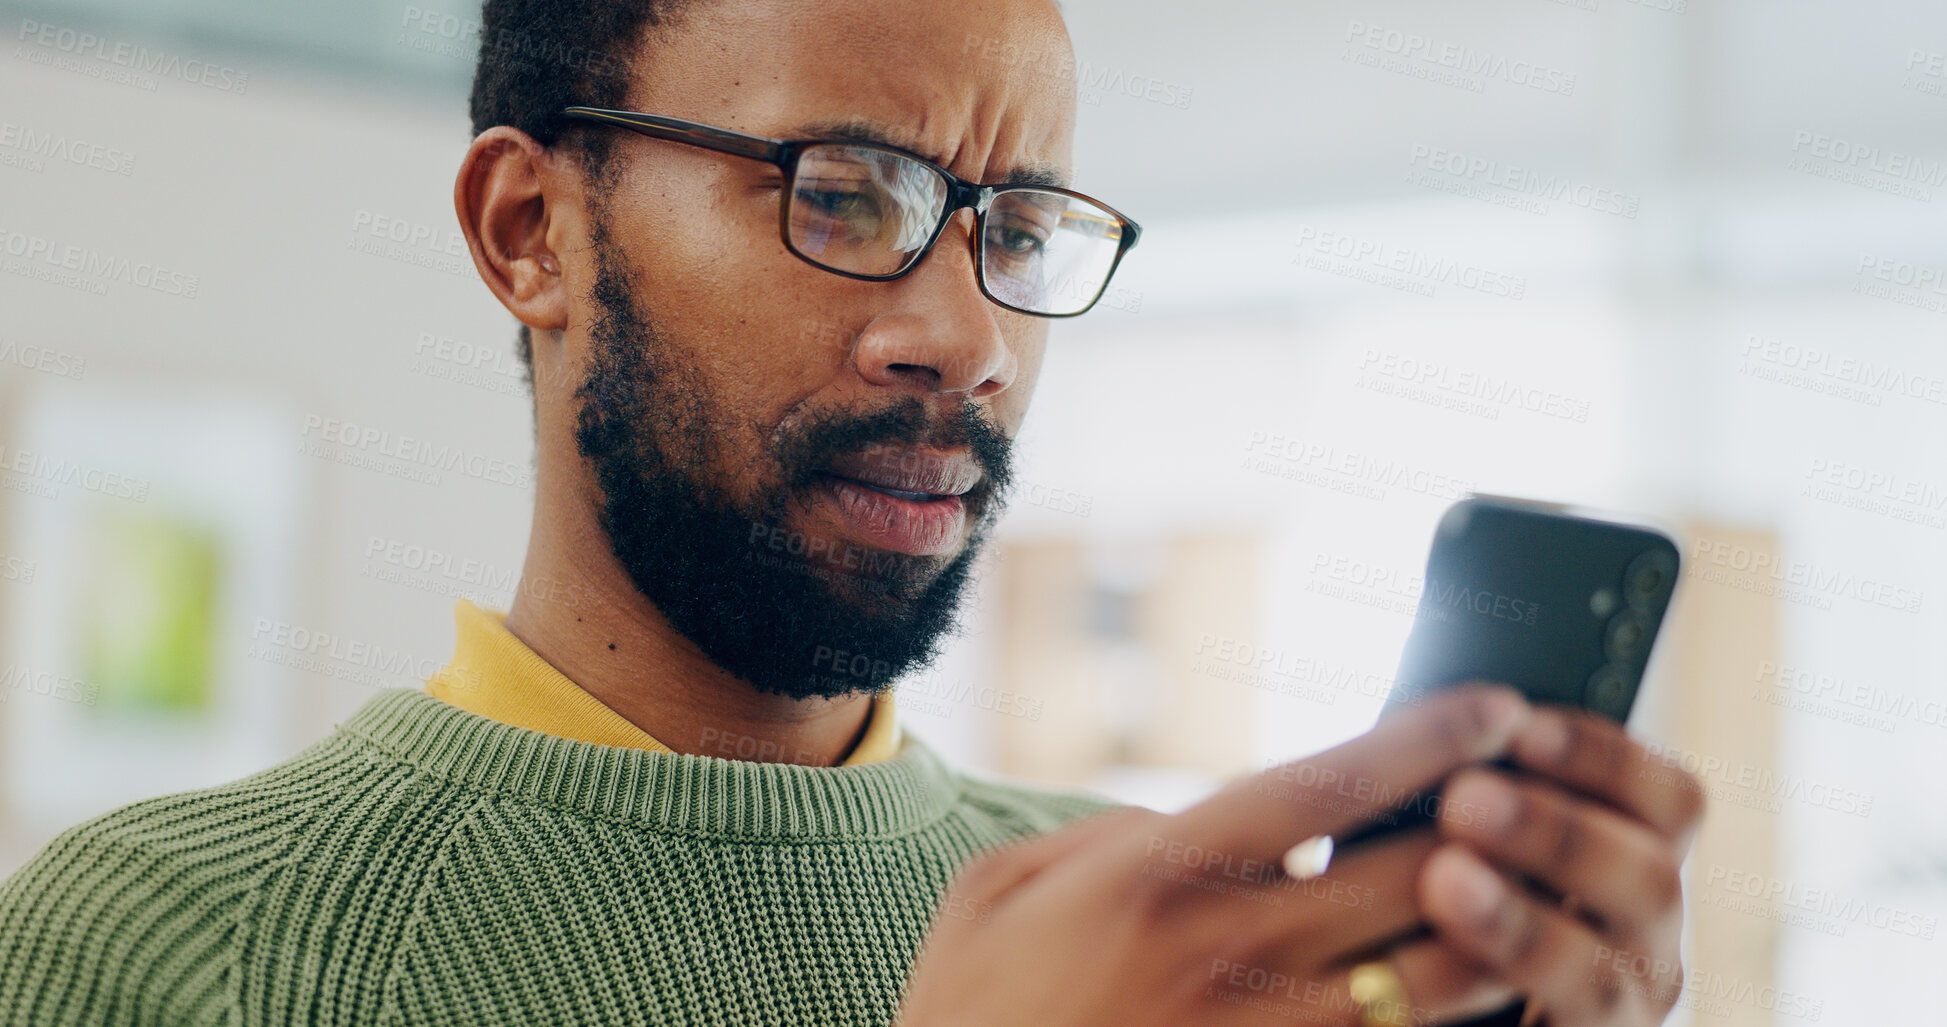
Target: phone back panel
[{"x": 1564, "y": 608}]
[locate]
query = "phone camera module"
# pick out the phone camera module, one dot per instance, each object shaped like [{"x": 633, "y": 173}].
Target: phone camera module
[
  {"x": 1626, "y": 636},
  {"x": 1610, "y": 689},
  {"x": 1649, "y": 576}
]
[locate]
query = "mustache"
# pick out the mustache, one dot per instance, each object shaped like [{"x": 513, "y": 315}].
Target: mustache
[{"x": 825, "y": 437}]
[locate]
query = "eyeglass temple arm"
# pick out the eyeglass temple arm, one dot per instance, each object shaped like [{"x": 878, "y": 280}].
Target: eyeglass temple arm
[
  {"x": 726, "y": 141},
  {"x": 720, "y": 139}
]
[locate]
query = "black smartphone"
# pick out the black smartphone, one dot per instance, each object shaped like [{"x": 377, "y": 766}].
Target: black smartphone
[{"x": 1563, "y": 606}]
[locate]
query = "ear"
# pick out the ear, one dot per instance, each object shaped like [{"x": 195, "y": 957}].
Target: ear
[{"x": 510, "y": 191}]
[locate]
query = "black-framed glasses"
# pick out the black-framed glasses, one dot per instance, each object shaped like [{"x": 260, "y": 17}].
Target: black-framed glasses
[{"x": 872, "y": 212}]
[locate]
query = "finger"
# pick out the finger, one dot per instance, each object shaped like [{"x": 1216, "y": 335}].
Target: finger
[
  {"x": 1364, "y": 900},
  {"x": 1620, "y": 870},
  {"x": 1591, "y": 754},
  {"x": 1438, "y": 985},
  {"x": 995, "y": 872},
  {"x": 1351, "y": 785},
  {"x": 1541, "y": 952},
  {"x": 1446, "y": 982}
]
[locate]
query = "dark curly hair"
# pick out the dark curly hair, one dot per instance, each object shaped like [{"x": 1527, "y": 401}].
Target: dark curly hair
[{"x": 538, "y": 56}]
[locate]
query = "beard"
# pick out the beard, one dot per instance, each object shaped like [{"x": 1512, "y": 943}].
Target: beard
[{"x": 794, "y": 615}]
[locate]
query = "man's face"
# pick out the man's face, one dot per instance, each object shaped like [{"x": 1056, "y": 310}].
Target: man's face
[{"x": 765, "y": 434}]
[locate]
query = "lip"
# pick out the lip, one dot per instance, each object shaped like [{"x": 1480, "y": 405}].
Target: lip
[
  {"x": 916, "y": 528},
  {"x": 910, "y": 469}
]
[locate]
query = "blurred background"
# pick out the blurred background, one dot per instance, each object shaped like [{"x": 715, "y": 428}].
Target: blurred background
[{"x": 1685, "y": 260}]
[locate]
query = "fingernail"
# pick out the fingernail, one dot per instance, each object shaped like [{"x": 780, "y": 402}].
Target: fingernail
[
  {"x": 1506, "y": 713},
  {"x": 1480, "y": 890},
  {"x": 1308, "y": 858},
  {"x": 1481, "y": 801},
  {"x": 1546, "y": 739}
]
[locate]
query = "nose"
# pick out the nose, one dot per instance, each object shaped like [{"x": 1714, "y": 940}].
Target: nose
[{"x": 940, "y": 332}]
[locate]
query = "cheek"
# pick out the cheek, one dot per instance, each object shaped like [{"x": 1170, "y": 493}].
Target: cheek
[{"x": 708, "y": 239}]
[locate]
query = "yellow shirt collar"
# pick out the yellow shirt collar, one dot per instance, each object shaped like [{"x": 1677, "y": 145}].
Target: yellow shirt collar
[{"x": 495, "y": 675}]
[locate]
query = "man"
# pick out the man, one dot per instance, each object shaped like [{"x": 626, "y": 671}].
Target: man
[{"x": 774, "y": 390}]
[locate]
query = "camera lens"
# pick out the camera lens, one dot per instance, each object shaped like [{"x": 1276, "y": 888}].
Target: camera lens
[
  {"x": 1649, "y": 576},
  {"x": 1609, "y": 690},
  {"x": 1626, "y": 636}
]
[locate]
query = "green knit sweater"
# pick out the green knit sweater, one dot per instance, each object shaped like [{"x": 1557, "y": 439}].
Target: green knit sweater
[{"x": 424, "y": 865}]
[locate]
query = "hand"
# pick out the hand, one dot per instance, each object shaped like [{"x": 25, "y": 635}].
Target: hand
[
  {"x": 1594, "y": 818},
  {"x": 1135, "y": 917}
]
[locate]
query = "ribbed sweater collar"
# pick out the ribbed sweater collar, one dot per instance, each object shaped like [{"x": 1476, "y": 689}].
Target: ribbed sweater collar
[{"x": 674, "y": 792}]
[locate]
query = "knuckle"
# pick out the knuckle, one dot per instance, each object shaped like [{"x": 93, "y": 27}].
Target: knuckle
[
  {"x": 985, "y": 873},
  {"x": 1601, "y": 743},
  {"x": 1562, "y": 837},
  {"x": 1460, "y": 724},
  {"x": 1525, "y": 944},
  {"x": 1665, "y": 990},
  {"x": 1606, "y": 1000},
  {"x": 1156, "y": 901},
  {"x": 1664, "y": 885},
  {"x": 1689, "y": 791}
]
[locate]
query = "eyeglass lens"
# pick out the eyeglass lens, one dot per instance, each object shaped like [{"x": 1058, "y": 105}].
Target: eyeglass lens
[{"x": 869, "y": 211}]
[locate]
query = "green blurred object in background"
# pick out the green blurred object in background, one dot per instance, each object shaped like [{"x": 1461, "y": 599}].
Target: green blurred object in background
[{"x": 148, "y": 612}]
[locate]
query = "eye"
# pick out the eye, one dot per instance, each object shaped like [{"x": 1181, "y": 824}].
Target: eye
[
  {"x": 1016, "y": 240},
  {"x": 839, "y": 203}
]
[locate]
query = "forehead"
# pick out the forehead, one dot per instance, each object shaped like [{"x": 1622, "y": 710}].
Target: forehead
[{"x": 984, "y": 88}]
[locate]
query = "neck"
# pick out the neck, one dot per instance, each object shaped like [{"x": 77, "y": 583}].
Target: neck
[{"x": 578, "y": 609}]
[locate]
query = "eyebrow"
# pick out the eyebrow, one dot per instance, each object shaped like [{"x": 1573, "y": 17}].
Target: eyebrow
[{"x": 863, "y": 130}]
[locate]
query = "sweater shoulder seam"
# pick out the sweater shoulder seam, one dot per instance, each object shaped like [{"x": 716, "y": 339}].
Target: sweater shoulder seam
[{"x": 955, "y": 801}]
